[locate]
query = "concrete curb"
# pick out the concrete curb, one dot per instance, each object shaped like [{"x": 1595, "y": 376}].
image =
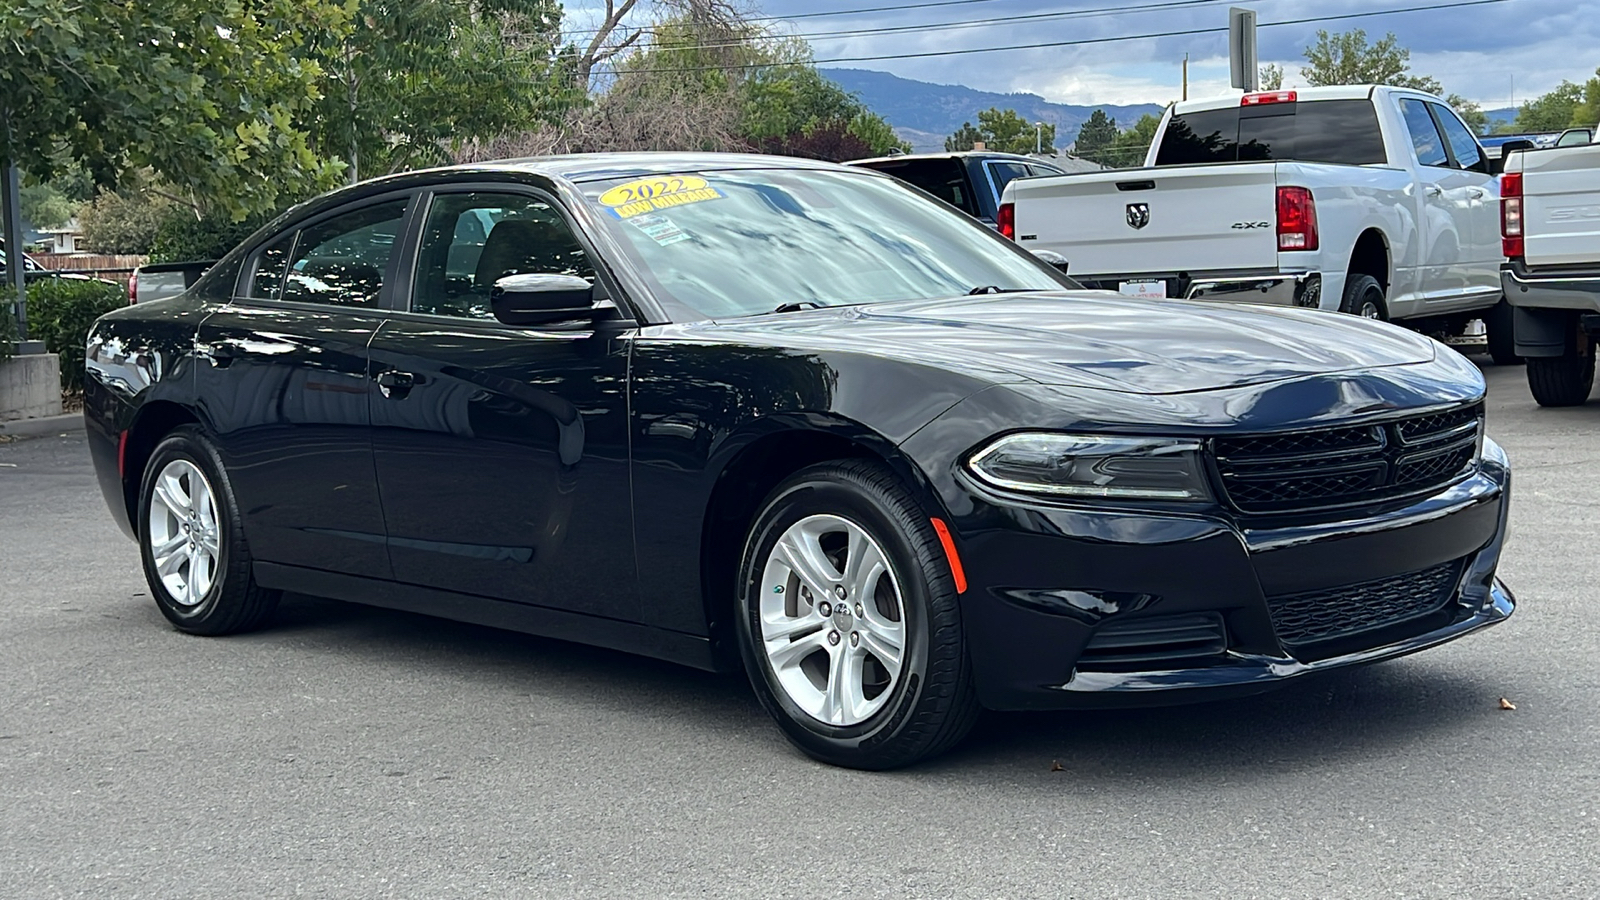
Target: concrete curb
[{"x": 44, "y": 425}]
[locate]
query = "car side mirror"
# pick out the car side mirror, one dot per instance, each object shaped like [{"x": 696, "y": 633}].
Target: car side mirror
[
  {"x": 536, "y": 299},
  {"x": 1052, "y": 258}
]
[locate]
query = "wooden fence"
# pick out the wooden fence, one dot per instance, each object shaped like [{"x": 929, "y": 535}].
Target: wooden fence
[{"x": 110, "y": 267}]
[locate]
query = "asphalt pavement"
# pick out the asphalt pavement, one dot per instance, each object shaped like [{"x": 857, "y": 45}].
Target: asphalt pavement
[{"x": 357, "y": 752}]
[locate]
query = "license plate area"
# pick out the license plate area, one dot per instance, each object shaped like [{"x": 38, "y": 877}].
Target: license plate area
[{"x": 1148, "y": 290}]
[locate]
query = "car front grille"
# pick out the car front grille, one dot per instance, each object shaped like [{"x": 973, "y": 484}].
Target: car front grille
[
  {"x": 1314, "y": 617},
  {"x": 1299, "y": 471}
]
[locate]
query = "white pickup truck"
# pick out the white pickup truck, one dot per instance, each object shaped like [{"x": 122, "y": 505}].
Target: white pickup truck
[
  {"x": 1371, "y": 200},
  {"x": 1551, "y": 226}
]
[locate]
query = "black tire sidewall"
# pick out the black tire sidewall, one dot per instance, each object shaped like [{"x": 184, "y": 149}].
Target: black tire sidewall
[
  {"x": 818, "y": 492},
  {"x": 1358, "y": 290},
  {"x": 190, "y": 445}
]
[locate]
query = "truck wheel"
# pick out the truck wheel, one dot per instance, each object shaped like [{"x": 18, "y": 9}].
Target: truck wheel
[
  {"x": 1363, "y": 296},
  {"x": 1562, "y": 380},
  {"x": 1501, "y": 339}
]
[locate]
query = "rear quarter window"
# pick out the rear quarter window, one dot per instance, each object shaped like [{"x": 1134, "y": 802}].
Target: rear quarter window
[{"x": 1320, "y": 131}]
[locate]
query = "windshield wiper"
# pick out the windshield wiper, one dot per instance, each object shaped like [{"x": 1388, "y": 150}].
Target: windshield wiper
[{"x": 798, "y": 305}]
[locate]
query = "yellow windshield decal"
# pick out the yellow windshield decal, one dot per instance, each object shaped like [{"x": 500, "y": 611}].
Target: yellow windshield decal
[{"x": 662, "y": 192}]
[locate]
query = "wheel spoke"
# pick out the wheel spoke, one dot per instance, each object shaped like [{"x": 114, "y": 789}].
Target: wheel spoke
[
  {"x": 201, "y": 496},
  {"x": 784, "y": 628},
  {"x": 171, "y": 495},
  {"x": 888, "y": 648},
  {"x": 844, "y": 695},
  {"x": 803, "y": 555},
  {"x": 784, "y": 656},
  {"x": 208, "y": 542},
  {"x": 864, "y": 565},
  {"x": 172, "y": 562},
  {"x": 165, "y": 548},
  {"x": 199, "y": 574}
]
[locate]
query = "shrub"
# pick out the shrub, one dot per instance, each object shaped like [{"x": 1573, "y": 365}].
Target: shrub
[
  {"x": 183, "y": 238},
  {"x": 60, "y": 312},
  {"x": 123, "y": 223}
]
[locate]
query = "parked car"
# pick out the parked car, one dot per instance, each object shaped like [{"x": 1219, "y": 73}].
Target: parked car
[
  {"x": 1575, "y": 137},
  {"x": 29, "y": 265},
  {"x": 970, "y": 181},
  {"x": 1374, "y": 201},
  {"x": 158, "y": 281},
  {"x": 1551, "y": 227},
  {"x": 735, "y": 410}
]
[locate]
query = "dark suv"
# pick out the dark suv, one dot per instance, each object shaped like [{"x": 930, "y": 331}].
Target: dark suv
[{"x": 971, "y": 182}]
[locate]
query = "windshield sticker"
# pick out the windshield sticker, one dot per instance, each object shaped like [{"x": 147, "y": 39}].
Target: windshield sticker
[
  {"x": 648, "y": 194},
  {"x": 661, "y": 229}
]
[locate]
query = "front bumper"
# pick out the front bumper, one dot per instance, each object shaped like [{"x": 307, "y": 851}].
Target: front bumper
[{"x": 1046, "y": 581}]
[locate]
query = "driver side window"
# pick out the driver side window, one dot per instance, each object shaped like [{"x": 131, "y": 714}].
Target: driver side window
[{"x": 473, "y": 240}]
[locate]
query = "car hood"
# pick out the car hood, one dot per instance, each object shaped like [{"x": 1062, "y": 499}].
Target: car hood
[{"x": 1098, "y": 340}]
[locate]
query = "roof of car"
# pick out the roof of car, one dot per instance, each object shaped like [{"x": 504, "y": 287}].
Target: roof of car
[
  {"x": 600, "y": 166},
  {"x": 953, "y": 154}
]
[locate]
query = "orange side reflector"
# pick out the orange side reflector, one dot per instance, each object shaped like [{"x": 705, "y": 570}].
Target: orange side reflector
[
  {"x": 956, "y": 571},
  {"x": 122, "y": 455}
]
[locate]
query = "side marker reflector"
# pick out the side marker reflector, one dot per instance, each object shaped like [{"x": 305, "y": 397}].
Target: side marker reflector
[
  {"x": 950, "y": 554},
  {"x": 122, "y": 455}
]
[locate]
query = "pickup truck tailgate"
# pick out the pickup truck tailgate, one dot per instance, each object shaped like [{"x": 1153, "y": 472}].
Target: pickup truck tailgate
[
  {"x": 1561, "y": 206},
  {"x": 1175, "y": 219}
]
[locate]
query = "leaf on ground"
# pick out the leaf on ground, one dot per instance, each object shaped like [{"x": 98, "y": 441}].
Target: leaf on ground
[
  {"x": 1055, "y": 766},
  {"x": 1507, "y": 704}
]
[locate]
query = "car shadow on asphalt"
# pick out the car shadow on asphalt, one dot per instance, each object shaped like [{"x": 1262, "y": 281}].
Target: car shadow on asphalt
[{"x": 1415, "y": 705}]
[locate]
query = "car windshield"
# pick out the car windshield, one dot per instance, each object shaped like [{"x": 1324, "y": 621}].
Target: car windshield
[{"x": 744, "y": 242}]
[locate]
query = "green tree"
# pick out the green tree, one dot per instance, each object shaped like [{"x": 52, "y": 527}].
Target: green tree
[
  {"x": 207, "y": 94},
  {"x": 1471, "y": 113},
  {"x": 415, "y": 79},
  {"x": 877, "y": 133},
  {"x": 44, "y": 206},
  {"x": 1553, "y": 111},
  {"x": 124, "y": 221},
  {"x": 1588, "y": 112},
  {"x": 1008, "y": 132},
  {"x": 1271, "y": 77},
  {"x": 1129, "y": 147},
  {"x": 1097, "y": 133},
  {"x": 964, "y": 139},
  {"x": 1347, "y": 58}
]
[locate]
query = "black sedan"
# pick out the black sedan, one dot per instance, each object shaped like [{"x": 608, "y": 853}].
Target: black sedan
[{"x": 741, "y": 410}]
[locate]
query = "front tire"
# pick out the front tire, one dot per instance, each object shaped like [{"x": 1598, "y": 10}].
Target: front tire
[
  {"x": 191, "y": 540},
  {"x": 849, "y": 622},
  {"x": 1363, "y": 296}
]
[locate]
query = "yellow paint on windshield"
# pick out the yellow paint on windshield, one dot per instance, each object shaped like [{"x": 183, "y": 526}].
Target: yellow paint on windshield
[{"x": 662, "y": 192}]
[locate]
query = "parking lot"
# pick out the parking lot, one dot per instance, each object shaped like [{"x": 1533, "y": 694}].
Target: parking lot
[{"x": 358, "y": 752}]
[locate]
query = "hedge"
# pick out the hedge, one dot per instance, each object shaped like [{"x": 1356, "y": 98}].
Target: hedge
[{"x": 60, "y": 312}]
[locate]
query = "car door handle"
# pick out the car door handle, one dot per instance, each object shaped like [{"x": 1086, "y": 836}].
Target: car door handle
[
  {"x": 396, "y": 385},
  {"x": 1433, "y": 190}
]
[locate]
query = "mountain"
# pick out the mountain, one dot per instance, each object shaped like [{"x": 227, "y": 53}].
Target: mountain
[{"x": 925, "y": 114}]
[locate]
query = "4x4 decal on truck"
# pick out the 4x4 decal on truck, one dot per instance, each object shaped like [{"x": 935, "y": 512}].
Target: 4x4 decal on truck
[{"x": 1251, "y": 224}]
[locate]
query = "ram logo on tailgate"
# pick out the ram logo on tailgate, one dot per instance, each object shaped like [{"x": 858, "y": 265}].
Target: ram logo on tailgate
[{"x": 1138, "y": 215}]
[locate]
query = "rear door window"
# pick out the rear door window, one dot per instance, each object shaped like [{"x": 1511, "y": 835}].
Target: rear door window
[
  {"x": 1425, "y": 137},
  {"x": 344, "y": 260},
  {"x": 1322, "y": 131},
  {"x": 1004, "y": 173},
  {"x": 944, "y": 178},
  {"x": 1463, "y": 146}
]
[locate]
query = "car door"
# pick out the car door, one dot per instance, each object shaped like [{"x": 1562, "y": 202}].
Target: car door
[
  {"x": 502, "y": 452},
  {"x": 1444, "y": 210},
  {"x": 1482, "y": 210},
  {"x": 285, "y": 390}
]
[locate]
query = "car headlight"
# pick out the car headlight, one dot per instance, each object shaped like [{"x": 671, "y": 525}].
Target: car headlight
[{"x": 1094, "y": 466}]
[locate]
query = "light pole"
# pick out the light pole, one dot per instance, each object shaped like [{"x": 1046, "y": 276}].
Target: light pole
[{"x": 1038, "y": 139}]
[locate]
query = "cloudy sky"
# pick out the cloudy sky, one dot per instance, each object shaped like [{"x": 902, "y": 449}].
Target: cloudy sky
[{"x": 1485, "y": 52}]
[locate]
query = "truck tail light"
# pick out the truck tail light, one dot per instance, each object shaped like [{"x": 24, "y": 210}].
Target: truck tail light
[
  {"x": 1266, "y": 97},
  {"x": 1006, "y": 221},
  {"x": 1511, "y": 214},
  {"x": 1297, "y": 218}
]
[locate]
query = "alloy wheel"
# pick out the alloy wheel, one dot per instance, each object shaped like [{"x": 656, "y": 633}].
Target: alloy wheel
[
  {"x": 183, "y": 534},
  {"x": 832, "y": 619}
]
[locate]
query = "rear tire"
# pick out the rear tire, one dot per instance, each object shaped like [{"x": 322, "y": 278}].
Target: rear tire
[
  {"x": 192, "y": 543},
  {"x": 1363, "y": 296},
  {"x": 865, "y": 668},
  {"x": 1562, "y": 380},
  {"x": 1500, "y": 336}
]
